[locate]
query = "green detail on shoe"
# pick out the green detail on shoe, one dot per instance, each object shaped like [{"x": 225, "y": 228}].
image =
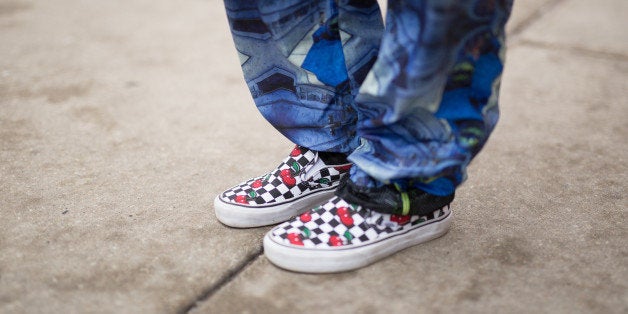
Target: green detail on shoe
[
  {"x": 405, "y": 201},
  {"x": 324, "y": 181},
  {"x": 348, "y": 235},
  {"x": 354, "y": 206},
  {"x": 296, "y": 167},
  {"x": 252, "y": 194},
  {"x": 306, "y": 232},
  {"x": 267, "y": 177}
]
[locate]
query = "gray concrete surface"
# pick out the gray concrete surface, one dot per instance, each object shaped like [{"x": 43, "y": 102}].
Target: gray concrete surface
[{"x": 120, "y": 121}]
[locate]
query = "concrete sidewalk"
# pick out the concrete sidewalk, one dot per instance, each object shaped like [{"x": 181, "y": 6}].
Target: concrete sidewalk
[{"x": 121, "y": 120}]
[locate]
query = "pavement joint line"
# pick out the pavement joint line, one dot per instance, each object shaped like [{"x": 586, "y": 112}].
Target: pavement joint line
[
  {"x": 578, "y": 49},
  {"x": 223, "y": 281},
  {"x": 533, "y": 17}
]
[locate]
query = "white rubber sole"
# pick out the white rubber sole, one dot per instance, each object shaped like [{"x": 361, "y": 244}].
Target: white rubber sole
[
  {"x": 338, "y": 259},
  {"x": 249, "y": 216}
]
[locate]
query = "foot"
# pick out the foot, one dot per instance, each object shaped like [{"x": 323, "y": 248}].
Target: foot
[
  {"x": 304, "y": 179},
  {"x": 340, "y": 236}
]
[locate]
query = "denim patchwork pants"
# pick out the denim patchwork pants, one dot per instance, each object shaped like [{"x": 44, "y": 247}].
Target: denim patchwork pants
[{"x": 411, "y": 102}]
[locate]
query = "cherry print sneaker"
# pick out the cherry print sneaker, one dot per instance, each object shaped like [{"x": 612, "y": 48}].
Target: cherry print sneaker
[
  {"x": 304, "y": 179},
  {"x": 340, "y": 236}
]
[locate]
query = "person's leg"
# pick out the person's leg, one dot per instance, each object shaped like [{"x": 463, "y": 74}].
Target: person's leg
[
  {"x": 430, "y": 101},
  {"x": 425, "y": 110},
  {"x": 293, "y": 61},
  {"x": 303, "y": 70}
]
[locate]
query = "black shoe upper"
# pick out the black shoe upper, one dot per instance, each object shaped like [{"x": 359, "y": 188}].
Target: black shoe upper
[{"x": 388, "y": 199}]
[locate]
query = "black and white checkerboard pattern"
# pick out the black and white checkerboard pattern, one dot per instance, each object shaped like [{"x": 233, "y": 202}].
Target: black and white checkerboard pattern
[
  {"x": 323, "y": 223},
  {"x": 271, "y": 189}
]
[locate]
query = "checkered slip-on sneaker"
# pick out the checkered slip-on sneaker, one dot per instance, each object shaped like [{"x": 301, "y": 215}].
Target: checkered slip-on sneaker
[
  {"x": 303, "y": 180},
  {"x": 339, "y": 236}
]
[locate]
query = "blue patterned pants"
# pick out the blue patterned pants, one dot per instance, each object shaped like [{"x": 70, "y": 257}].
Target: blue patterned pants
[{"x": 411, "y": 102}]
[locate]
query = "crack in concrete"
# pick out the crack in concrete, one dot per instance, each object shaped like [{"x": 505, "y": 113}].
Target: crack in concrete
[
  {"x": 533, "y": 17},
  {"x": 207, "y": 293},
  {"x": 578, "y": 49}
]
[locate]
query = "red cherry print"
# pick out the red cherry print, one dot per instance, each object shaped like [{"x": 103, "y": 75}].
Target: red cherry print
[
  {"x": 305, "y": 217},
  {"x": 335, "y": 240},
  {"x": 345, "y": 216},
  {"x": 295, "y": 238},
  {"x": 400, "y": 219},
  {"x": 256, "y": 184},
  {"x": 287, "y": 178},
  {"x": 342, "y": 211},
  {"x": 241, "y": 199},
  {"x": 343, "y": 168},
  {"x": 295, "y": 152}
]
